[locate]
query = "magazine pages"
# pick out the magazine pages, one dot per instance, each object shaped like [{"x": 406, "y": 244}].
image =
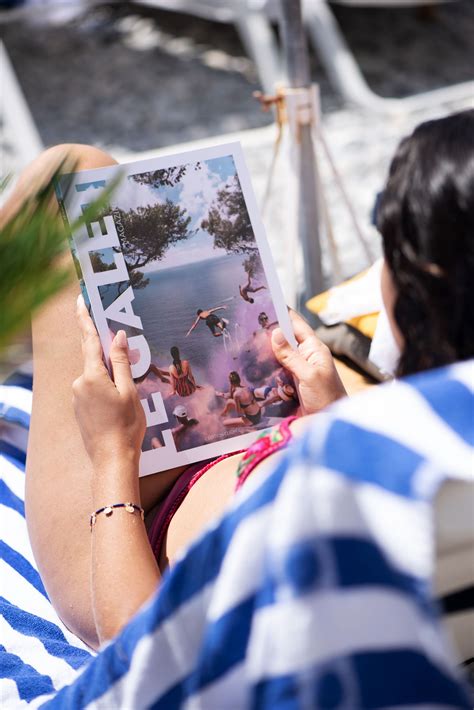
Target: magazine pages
[{"x": 178, "y": 259}]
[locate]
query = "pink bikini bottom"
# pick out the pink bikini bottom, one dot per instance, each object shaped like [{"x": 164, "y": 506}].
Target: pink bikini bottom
[{"x": 268, "y": 441}]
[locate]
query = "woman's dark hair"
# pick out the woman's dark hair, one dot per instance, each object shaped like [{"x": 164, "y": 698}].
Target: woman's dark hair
[
  {"x": 176, "y": 359},
  {"x": 426, "y": 218},
  {"x": 199, "y": 311},
  {"x": 234, "y": 378}
]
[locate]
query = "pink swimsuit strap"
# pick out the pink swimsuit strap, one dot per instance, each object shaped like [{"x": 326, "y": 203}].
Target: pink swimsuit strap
[
  {"x": 268, "y": 441},
  {"x": 175, "y": 497}
]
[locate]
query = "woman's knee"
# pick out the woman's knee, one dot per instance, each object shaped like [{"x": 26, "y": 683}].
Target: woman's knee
[
  {"x": 68, "y": 157},
  {"x": 80, "y": 156}
]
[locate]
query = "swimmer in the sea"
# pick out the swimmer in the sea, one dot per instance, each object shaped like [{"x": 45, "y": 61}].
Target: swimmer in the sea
[
  {"x": 265, "y": 325},
  {"x": 248, "y": 288},
  {"x": 264, "y": 321},
  {"x": 216, "y": 324}
]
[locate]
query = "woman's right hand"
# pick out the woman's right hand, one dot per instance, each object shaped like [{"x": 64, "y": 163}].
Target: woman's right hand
[
  {"x": 311, "y": 364},
  {"x": 110, "y": 416}
]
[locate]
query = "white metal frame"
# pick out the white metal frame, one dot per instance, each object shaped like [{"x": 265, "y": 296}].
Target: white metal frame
[
  {"x": 253, "y": 21},
  {"x": 344, "y": 72},
  {"x": 17, "y": 123}
]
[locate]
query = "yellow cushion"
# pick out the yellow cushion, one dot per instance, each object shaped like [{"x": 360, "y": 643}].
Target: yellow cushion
[{"x": 366, "y": 323}]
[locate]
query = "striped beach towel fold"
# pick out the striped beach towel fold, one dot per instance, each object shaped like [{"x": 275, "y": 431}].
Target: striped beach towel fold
[
  {"x": 38, "y": 655},
  {"x": 312, "y": 591}
]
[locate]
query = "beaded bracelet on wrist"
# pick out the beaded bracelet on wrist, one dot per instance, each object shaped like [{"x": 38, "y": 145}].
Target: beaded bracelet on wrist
[{"x": 109, "y": 509}]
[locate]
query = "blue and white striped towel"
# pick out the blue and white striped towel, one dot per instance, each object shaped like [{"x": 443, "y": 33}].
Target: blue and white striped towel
[
  {"x": 38, "y": 654},
  {"x": 313, "y": 591}
]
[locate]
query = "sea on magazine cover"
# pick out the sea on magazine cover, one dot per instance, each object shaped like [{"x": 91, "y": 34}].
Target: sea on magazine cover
[{"x": 179, "y": 260}]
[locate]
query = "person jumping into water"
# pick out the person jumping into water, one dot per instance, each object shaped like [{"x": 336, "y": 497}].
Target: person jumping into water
[
  {"x": 216, "y": 324},
  {"x": 248, "y": 288}
]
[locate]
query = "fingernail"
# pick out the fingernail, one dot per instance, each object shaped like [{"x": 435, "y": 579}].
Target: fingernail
[
  {"x": 278, "y": 337},
  {"x": 121, "y": 339},
  {"x": 80, "y": 300}
]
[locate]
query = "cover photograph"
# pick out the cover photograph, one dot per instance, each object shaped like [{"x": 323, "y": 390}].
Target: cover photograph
[{"x": 178, "y": 259}]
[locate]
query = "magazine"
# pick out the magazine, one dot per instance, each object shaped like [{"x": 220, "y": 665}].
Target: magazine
[{"x": 178, "y": 259}]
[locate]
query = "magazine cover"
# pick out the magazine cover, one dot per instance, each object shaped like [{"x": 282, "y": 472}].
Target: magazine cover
[{"x": 178, "y": 259}]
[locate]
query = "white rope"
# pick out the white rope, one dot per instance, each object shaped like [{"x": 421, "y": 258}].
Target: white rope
[{"x": 295, "y": 107}]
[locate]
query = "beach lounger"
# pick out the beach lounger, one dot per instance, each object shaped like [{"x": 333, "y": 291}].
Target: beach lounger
[{"x": 253, "y": 19}]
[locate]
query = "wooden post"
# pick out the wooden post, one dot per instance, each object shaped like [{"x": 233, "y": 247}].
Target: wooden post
[{"x": 296, "y": 56}]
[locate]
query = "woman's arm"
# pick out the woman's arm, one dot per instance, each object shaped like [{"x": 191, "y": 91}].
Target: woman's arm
[
  {"x": 172, "y": 380},
  {"x": 237, "y": 404},
  {"x": 189, "y": 373},
  {"x": 161, "y": 374},
  {"x": 269, "y": 400},
  {"x": 124, "y": 572},
  {"x": 193, "y": 326}
]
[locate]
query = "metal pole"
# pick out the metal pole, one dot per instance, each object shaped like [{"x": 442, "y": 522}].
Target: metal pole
[
  {"x": 294, "y": 44},
  {"x": 295, "y": 51}
]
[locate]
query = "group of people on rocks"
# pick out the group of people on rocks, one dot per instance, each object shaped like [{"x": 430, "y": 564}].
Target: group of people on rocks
[{"x": 248, "y": 402}]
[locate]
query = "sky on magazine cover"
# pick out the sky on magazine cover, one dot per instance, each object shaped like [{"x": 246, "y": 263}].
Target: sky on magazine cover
[{"x": 195, "y": 192}]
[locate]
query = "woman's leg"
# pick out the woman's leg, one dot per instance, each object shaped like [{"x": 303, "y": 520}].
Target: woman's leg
[
  {"x": 236, "y": 421},
  {"x": 58, "y": 471},
  {"x": 230, "y": 404}
]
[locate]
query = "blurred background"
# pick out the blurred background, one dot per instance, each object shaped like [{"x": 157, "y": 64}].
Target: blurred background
[{"x": 139, "y": 79}]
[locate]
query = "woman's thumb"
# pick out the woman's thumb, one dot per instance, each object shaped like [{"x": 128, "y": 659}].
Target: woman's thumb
[
  {"x": 286, "y": 356},
  {"x": 120, "y": 361}
]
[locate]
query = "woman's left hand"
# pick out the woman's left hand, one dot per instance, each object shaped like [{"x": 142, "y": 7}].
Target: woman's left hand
[
  {"x": 110, "y": 416},
  {"x": 311, "y": 364}
]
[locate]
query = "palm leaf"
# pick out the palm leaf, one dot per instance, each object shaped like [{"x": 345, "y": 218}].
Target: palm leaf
[{"x": 31, "y": 244}]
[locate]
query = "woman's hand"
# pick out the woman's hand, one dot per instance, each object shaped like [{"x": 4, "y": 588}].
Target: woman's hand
[
  {"x": 311, "y": 364},
  {"x": 109, "y": 413}
]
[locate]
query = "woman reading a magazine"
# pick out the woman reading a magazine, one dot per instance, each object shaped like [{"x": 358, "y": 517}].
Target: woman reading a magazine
[{"x": 98, "y": 580}]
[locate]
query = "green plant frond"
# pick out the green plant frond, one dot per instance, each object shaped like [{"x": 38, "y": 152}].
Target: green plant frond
[
  {"x": 4, "y": 181},
  {"x": 31, "y": 244}
]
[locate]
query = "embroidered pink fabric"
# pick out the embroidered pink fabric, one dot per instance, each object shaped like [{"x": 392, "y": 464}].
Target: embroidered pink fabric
[{"x": 267, "y": 443}]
